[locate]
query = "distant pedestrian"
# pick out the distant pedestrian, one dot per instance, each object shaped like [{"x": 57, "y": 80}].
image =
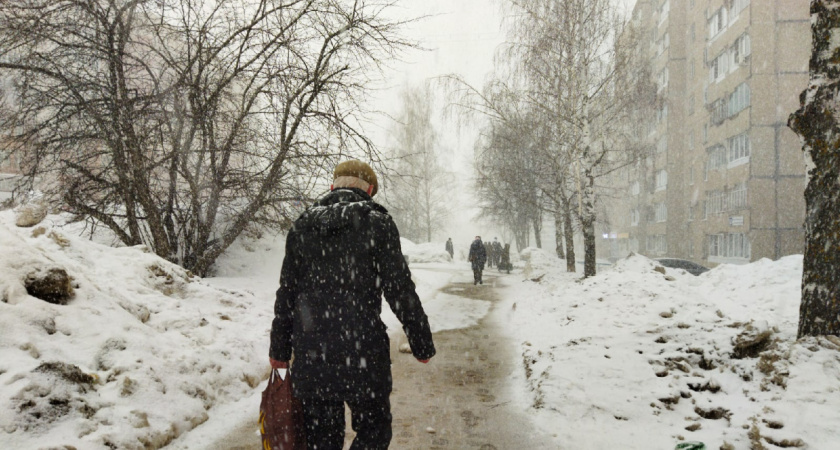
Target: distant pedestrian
[
  {"x": 504, "y": 259},
  {"x": 477, "y": 258},
  {"x": 342, "y": 255},
  {"x": 449, "y": 248},
  {"x": 497, "y": 251},
  {"x": 488, "y": 252}
]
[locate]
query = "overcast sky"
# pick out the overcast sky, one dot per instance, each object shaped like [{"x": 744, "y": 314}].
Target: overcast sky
[{"x": 461, "y": 37}]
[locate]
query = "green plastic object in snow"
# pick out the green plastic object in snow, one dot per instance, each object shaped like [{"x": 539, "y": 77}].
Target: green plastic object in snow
[{"x": 690, "y": 446}]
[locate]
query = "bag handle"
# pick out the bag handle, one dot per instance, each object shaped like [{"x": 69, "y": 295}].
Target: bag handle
[{"x": 278, "y": 373}]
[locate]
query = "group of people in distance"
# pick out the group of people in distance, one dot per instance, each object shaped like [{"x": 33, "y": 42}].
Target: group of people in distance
[{"x": 491, "y": 253}]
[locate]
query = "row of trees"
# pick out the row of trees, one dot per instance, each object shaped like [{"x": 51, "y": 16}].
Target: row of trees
[
  {"x": 181, "y": 124},
  {"x": 563, "y": 111}
]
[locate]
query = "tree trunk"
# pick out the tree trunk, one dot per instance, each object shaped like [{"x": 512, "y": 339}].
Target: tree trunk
[
  {"x": 570, "y": 237},
  {"x": 538, "y": 233},
  {"x": 817, "y": 123},
  {"x": 558, "y": 231},
  {"x": 588, "y": 228}
]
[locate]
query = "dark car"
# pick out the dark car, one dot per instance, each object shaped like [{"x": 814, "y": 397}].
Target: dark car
[{"x": 689, "y": 266}]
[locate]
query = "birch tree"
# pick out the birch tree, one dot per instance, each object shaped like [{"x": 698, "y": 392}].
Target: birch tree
[
  {"x": 818, "y": 123},
  {"x": 569, "y": 56}
]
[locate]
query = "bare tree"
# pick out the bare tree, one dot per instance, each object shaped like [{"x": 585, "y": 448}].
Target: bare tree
[
  {"x": 182, "y": 123},
  {"x": 418, "y": 194},
  {"x": 818, "y": 123}
]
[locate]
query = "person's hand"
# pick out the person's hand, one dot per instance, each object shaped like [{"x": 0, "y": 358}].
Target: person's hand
[
  {"x": 278, "y": 364},
  {"x": 424, "y": 361}
]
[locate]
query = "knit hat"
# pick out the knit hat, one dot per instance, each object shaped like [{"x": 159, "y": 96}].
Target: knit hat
[{"x": 358, "y": 169}]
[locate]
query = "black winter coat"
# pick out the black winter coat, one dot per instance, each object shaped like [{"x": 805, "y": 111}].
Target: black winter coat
[
  {"x": 342, "y": 254},
  {"x": 478, "y": 255}
]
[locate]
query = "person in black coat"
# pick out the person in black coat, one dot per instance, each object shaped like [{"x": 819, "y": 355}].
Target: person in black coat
[
  {"x": 478, "y": 256},
  {"x": 449, "y": 248},
  {"x": 342, "y": 255}
]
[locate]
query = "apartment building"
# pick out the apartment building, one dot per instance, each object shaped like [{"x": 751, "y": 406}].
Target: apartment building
[{"x": 724, "y": 178}]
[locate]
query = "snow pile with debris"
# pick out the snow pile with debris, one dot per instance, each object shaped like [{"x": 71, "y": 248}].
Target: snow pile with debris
[
  {"x": 427, "y": 252},
  {"x": 140, "y": 354},
  {"x": 641, "y": 356}
]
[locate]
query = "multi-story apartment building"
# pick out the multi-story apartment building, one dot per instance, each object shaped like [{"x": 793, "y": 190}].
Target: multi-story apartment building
[{"x": 724, "y": 178}]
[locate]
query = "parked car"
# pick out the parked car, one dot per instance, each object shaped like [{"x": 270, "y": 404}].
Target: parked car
[{"x": 689, "y": 266}]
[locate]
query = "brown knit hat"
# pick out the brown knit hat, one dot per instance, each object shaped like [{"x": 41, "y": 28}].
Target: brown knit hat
[{"x": 358, "y": 169}]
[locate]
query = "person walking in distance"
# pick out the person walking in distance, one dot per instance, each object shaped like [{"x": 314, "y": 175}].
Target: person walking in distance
[
  {"x": 477, "y": 257},
  {"x": 449, "y": 248},
  {"x": 342, "y": 255},
  {"x": 497, "y": 251}
]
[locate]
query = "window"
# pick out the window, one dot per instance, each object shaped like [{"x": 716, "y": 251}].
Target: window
[
  {"x": 714, "y": 202},
  {"x": 692, "y": 34},
  {"x": 719, "y": 110},
  {"x": 740, "y": 51},
  {"x": 662, "y": 82},
  {"x": 739, "y": 99},
  {"x": 729, "y": 245},
  {"x": 691, "y": 140},
  {"x": 690, "y": 214},
  {"x": 660, "y": 212},
  {"x": 691, "y": 68},
  {"x": 691, "y": 105},
  {"x": 717, "y": 22},
  {"x": 634, "y": 217},
  {"x": 691, "y": 176},
  {"x": 634, "y": 188},
  {"x": 730, "y": 105},
  {"x": 663, "y": 43},
  {"x": 739, "y": 149},
  {"x": 705, "y": 133},
  {"x": 662, "y": 113},
  {"x": 661, "y": 180},
  {"x": 662, "y": 145},
  {"x": 738, "y": 197},
  {"x": 656, "y": 244},
  {"x": 717, "y": 157},
  {"x": 719, "y": 66},
  {"x": 718, "y": 202}
]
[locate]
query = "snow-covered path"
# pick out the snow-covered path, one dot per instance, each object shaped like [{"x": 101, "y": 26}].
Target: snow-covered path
[{"x": 461, "y": 399}]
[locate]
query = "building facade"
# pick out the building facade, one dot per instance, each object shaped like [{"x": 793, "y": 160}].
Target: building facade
[{"x": 724, "y": 178}]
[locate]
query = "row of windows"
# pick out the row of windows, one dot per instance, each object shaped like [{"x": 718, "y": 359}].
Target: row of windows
[
  {"x": 730, "y": 105},
  {"x": 720, "y": 19},
  {"x": 727, "y": 200},
  {"x": 730, "y": 59},
  {"x": 734, "y": 153},
  {"x": 729, "y": 245}
]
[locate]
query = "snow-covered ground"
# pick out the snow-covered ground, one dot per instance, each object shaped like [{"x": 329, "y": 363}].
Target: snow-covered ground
[
  {"x": 145, "y": 352},
  {"x": 632, "y": 358}
]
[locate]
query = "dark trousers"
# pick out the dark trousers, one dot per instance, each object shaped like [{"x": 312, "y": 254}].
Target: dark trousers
[
  {"x": 324, "y": 421},
  {"x": 477, "y": 275}
]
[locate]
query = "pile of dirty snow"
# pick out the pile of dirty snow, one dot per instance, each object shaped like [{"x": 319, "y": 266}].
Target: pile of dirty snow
[
  {"x": 141, "y": 352},
  {"x": 641, "y": 356}
]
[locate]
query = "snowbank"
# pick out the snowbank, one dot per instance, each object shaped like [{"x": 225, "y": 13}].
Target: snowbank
[
  {"x": 140, "y": 354},
  {"x": 636, "y": 358},
  {"x": 427, "y": 252}
]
